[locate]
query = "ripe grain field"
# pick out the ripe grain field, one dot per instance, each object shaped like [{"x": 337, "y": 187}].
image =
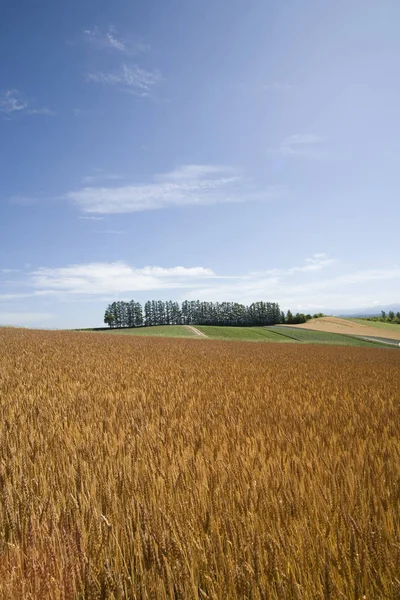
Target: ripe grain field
[{"x": 138, "y": 468}]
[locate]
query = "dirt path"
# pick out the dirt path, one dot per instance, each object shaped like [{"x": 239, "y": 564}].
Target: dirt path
[
  {"x": 196, "y": 331},
  {"x": 339, "y": 325},
  {"x": 379, "y": 340}
]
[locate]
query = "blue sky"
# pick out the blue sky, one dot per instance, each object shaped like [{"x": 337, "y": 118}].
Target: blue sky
[{"x": 220, "y": 150}]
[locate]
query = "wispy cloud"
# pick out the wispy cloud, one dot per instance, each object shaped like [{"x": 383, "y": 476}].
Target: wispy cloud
[
  {"x": 42, "y": 111},
  {"x": 99, "y": 175},
  {"x": 129, "y": 78},
  {"x": 315, "y": 263},
  {"x": 370, "y": 275},
  {"x": 188, "y": 185},
  {"x": 197, "y": 173},
  {"x": 111, "y": 231},
  {"x": 302, "y": 288},
  {"x": 90, "y": 218},
  {"x": 277, "y": 86},
  {"x": 255, "y": 87},
  {"x": 306, "y": 145},
  {"x": 115, "y": 43},
  {"x": 22, "y": 200},
  {"x": 111, "y": 40},
  {"x": 12, "y": 102},
  {"x": 11, "y": 296},
  {"x": 23, "y": 318},
  {"x": 317, "y": 283},
  {"x": 100, "y": 278}
]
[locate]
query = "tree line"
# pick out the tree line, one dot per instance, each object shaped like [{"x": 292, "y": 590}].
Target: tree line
[
  {"x": 391, "y": 317},
  {"x": 194, "y": 312}
]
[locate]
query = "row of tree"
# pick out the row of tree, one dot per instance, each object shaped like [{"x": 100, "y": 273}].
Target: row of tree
[
  {"x": 390, "y": 317},
  {"x": 158, "y": 312}
]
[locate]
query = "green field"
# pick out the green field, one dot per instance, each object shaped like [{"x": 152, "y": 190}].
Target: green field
[
  {"x": 249, "y": 334},
  {"x": 378, "y": 324},
  {"x": 242, "y": 334},
  {"x": 282, "y": 334},
  {"x": 156, "y": 331},
  {"x": 308, "y": 336}
]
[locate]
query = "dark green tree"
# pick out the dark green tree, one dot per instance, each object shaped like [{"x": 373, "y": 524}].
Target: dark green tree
[{"x": 109, "y": 317}]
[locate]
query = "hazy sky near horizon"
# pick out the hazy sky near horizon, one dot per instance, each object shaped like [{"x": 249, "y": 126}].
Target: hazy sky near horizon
[{"x": 220, "y": 150}]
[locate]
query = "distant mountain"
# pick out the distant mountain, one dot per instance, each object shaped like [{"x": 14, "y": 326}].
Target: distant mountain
[{"x": 374, "y": 311}]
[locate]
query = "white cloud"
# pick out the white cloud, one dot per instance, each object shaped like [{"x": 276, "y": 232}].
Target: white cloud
[
  {"x": 325, "y": 286},
  {"x": 195, "y": 172},
  {"x": 112, "y": 231},
  {"x": 111, "y": 40},
  {"x": 22, "y": 200},
  {"x": 23, "y": 295},
  {"x": 315, "y": 263},
  {"x": 100, "y": 278},
  {"x": 99, "y": 175},
  {"x": 115, "y": 43},
  {"x": 104, "y": 40},
  {"x": 91, "y": 218},
  {"x": 129, "y": 78},
  {"x": 277, "y": 85},
  {"x": 12, "y": 102},
  {"x": 300, "y": 288},
  {"x": 301, "y": 140},
  {"x": 255, "y": 87},
  {"x": 119, "y": 277},
  {"x": 187, "y": 185},
  {"x": 306, "y": 145},
  {"x": 23, "y": 318},
  {"x": 41, "y": 111},
  {"x": 369, "y": 275}
]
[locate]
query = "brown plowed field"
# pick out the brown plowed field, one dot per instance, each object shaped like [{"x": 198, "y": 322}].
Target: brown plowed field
[
  {"x": 338, "y": 325},
  {"x": 142, "y": 468}
]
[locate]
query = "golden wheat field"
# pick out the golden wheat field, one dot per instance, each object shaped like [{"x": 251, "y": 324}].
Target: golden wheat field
[{"x": 139, "y": 468}]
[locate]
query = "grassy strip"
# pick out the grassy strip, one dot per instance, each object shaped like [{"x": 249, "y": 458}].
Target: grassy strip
[
  {"x": 321, "y": 337},
  {"x": 377, "y": 324},
  {"x": 244, "y": 334},
  {"x": 156, "y": 331}
]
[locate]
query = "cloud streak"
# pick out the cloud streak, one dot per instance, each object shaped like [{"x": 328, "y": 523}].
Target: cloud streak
[
  {"x": 10, "y": 102},
  {"x": 23, "y": 318},
  {"x": 13, "y": 103},
  {"x": 128, "y": 78},
  {"x": 22, "y": 200},
  {"x": 99, "y": 175},
  {"x": 189, "y": 185},
  {"x": 277, "y": 86},
  {"x": 319, "y": 282},
  {"x": 304, "y": 288},
  {"x": 306, "y": 145},
  {"x": 91, "y": 218},
  {"x": 315, "y": 263},
  {"x": 100, "y": 278},
  {"x": 110, "y": 40}
]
